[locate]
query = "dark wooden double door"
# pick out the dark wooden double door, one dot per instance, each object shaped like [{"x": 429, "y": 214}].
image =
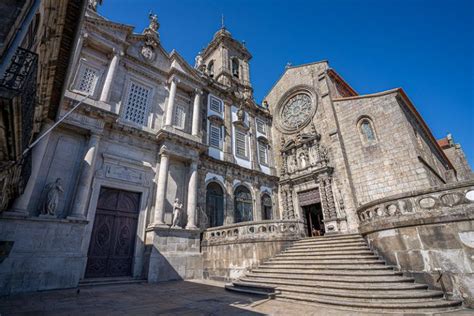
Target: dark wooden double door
[{"x": 114, "y": 232}]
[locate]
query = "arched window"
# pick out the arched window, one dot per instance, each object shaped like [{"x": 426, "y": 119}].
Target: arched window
[
  {"x": 210, "y": 69},
  {"x": 243, "y": 209},
  {"x": 215, "y": 204},
  {"x": 367, "y": 130},
  {"x": 266, "y": 207},
  {"x": 235, "y": 67}
]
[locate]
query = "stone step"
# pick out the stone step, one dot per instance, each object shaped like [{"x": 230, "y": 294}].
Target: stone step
[
  {"x": 328, "y": 251},
  {"x": 300, "y": 272},
  {"x": 337, "y": 285},
  {"x": 332, "y": 236},
  {"x": 316, "y": 259},
  {"x": 109, "y": 281},
  {"x": 330, "y": 246},
  {"x": 363, "y": 294},
  {"x": 319, "y": 267},
  {"x": 380, "y": 306},
  {"x": 329, "y": 242},
  {"x": 330, "y": 278},
  {"x": 324, "y": 262},
  {"x": 352, "y": 254}
]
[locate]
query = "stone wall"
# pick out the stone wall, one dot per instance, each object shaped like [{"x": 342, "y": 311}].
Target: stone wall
[
  {"x": 230, "y": 251},
  {"x": 428, "y": 235},
  {"x": 46, "y": 254},
  {"x": 174, "y": 254}
]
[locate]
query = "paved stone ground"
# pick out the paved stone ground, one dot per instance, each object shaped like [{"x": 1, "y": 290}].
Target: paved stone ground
[{"x": 170, "y": 298}]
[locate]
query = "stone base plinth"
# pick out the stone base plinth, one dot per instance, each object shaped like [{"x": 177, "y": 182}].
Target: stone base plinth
[{"x": 175, "y": 254}]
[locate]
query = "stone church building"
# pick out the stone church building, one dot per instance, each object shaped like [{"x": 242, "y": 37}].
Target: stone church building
[{"x": 161, "y": 170}]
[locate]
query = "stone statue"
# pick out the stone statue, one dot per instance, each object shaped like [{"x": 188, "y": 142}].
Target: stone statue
[
  {"x": 154, "y": 25},
  {"x": 199, "y": 62},
  {"x": 92, "y": 4},
  {"x": 303, "y": 160},
  {"x": 51, "y": 199},
  {"x": 177, "y": 211}
]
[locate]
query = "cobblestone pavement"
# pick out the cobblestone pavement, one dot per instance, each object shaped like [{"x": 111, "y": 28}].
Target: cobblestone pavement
[{"x": 170, "y": 298}]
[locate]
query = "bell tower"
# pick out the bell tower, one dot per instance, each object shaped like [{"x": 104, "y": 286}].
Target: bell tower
[{"x": 226, "y": 60}]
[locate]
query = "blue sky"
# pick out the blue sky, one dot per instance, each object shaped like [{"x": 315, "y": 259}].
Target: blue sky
[{"x": 424, "y": 46}]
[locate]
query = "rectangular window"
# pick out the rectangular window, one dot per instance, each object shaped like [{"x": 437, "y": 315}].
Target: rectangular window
[
  {"x": 136, "y": 104},
  {"x": 87, "y": 79},
  {"x": 179, "y": 116},
  {"x": 215, "y": 136},
  {"x": 215, "y": 104},
  {"x": 240, "y": 143},
  {"x": 261, "y": 127},
  {"x": 262, "y": 153}
]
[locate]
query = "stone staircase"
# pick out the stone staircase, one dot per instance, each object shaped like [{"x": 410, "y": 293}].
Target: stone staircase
[{"x": 340, "y": 271}]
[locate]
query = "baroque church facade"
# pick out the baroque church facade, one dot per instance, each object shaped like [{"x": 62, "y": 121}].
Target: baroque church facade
[{"x": 154, "y": 156}]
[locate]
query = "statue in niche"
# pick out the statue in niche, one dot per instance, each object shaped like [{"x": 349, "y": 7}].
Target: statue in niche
[
  {"x": 51, "y": 199},
  {"x": 177, "y": 212},
  {"x": 302, "y": 160},
  {"x": 324, "y": 154}
]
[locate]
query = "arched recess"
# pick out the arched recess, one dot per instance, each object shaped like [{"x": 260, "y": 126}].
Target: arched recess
[
  {"x": 267, "y": 207},
  {"x": 366, "y": 130},
  {"x": 243, "y": 206},
  {"x": 215, "y": 204}
]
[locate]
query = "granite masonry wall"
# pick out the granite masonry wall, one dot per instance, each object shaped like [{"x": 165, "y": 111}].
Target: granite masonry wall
[
  {"x": 230, "y": 251},
  {"x": 45, "y": 254},
  {"x": 427, "y": 234}
]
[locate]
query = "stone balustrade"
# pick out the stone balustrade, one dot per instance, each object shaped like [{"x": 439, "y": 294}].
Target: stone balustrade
[
  {"x": 257, "y": 231},
  {"x": 418, "y": 206}
]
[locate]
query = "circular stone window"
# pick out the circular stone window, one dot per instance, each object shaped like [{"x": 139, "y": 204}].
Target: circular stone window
[{"x": 297, "y": 112}]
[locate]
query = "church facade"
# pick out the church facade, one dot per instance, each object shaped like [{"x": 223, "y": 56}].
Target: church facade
[{"x": 152, "y": 152}]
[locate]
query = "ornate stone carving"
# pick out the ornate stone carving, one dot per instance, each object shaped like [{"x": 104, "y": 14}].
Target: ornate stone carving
[
  {"x": 297, "y": 111},
  {"x": 177, "y": 213},
  {"x": 50, "y": 201},
  {"x": 152, "y": 38}
]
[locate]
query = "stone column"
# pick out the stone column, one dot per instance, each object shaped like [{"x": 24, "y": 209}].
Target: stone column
[
  {"x": 79, "y": 207},
  {"x": 192, "y": 196},
  {"x": 196, "y": 111},
  {"x": 159, "y": 219},
  {"x": 170, "y": 106},
  {"x": 77, "y": 54},
  {"x": 37, "y": 154},
  {"x": 105, "y": 95}
]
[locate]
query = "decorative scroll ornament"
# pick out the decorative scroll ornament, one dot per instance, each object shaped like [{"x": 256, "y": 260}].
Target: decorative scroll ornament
[{"x": 297, "y": 111}]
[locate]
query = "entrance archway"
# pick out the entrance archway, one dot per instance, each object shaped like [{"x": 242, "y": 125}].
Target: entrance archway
[
  {"x": 243, "y": 205},
  {"x": 266, "y": 207},
  {"x": 215, "y": 204}
]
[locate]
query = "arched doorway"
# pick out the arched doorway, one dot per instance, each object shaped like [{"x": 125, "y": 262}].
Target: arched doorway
[
  {"x": 243, "y": 209},
  {"x": 266, "y": 207},
  {"x": 215, "y": 204}
]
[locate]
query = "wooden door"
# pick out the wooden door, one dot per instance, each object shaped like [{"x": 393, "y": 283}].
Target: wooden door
[{"x": 113, "y": 236}]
